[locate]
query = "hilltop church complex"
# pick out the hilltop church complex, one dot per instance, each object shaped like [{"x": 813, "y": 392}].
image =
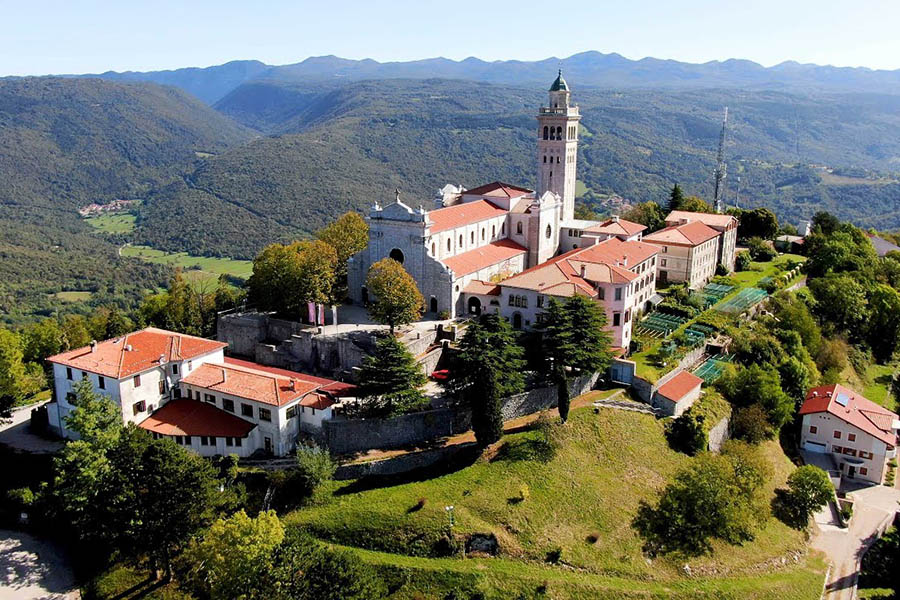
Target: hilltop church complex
[{"x": 505, "y": 248}]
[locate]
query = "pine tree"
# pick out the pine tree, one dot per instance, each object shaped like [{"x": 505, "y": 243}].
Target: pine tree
[
  {"x": 390, "y": 379},
  {"x": 488, "y": 344},
  {"x": 676, "y": 198}
]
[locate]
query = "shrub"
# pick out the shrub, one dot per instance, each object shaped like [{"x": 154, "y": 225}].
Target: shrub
[
  {"x": 760, "y": 251},
  {"x": 593, "y": 537},
  {"x": 524, "y": 493},
  {"x": 882, "y": 562},
  {"x": 554, "y": 555},
  {"x": 315, "y": 468},
  {"x": 23, "y": 496},
  {"x": 687, "y": 434},
  {"x": 751, "y": 425},
  {"x": 742, "y": 261}
]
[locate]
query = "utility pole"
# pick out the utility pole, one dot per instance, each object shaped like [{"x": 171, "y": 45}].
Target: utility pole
[{"x": 721, "y": 169}]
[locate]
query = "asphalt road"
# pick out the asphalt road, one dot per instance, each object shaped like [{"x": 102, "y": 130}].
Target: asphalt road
[{"x": 31, "y": 569}]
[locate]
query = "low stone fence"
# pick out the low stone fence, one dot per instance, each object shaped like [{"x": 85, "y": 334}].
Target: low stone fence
[
  {"x": 402, "y": 463},
  {"x": 347, "y": 436}
]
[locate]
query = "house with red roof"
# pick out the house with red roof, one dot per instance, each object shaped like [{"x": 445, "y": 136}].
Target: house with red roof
[
  {"x": 859, "y": 435},
  {"x": 688, "y": 252},
  {"x": 183, "y": 387},
  {"x": 490, "y": 232},
  {"x": 678, "y": 394},
  {"x": 619, "y": 275},
  {"x": 726, "y": 225}
]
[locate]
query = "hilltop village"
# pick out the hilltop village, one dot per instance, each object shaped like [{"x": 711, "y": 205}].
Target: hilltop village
[{"x": 487, "y": 356}]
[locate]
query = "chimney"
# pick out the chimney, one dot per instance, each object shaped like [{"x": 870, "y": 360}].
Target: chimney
[
  {"x": 615, "y": 219},
  {"x": 583, "y": 270},
  {"x": 625, "y": 261},
  {"x": 128, "y": 348},
  {"x": 224, "y": 375},
  {"x": 161, "y": 359},
  {"x": 293, "y": 385},
  {"x": 93, "y": 345}
]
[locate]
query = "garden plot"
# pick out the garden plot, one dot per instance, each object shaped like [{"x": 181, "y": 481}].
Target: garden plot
[{"x": 745, "y": 299}]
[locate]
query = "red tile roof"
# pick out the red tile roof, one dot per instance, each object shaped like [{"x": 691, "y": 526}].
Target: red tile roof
[
  {"x": 338, "y": 389},
  {"x": 498, "y": 189},
  {"x": 617, "y": 227},
  {"x": 111, "y": 358},
  {"x": 485, "y": 256},
  {"x": 860, "y": 412},
  {"x": 606, "y": 262},
  {"x": 688, "y": 234},
  {"x": 193, "y": 417},
  {"x": 466, "y": 213},
  {"x": 710, "y": 219},
  {"x": 680, "y": 386},
  {"x": 482, "y": 288}
]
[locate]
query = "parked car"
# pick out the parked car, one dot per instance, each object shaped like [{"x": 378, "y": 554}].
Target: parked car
[{"x": 440, "y": 375}]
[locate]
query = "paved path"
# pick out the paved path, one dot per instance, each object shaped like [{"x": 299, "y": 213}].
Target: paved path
[
  {"x": 873, "y": 509},
  {"x": 15, "y": 434},
  {"x": 33, "y": 570}
]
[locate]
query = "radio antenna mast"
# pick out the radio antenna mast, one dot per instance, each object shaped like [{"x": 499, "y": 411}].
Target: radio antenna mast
[{"x": 721, "y": 169}]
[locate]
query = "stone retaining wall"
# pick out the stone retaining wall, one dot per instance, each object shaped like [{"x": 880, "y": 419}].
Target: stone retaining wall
[
  {"x": 402, "y": 463},
  {"x": 719, "y": 434}
]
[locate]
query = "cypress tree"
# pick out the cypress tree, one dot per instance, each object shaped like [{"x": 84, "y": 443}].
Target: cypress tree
[
  {"x": 485, "y": 400},
  {"x": 676, "y": 198}
]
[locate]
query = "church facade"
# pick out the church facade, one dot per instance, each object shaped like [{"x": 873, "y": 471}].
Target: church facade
[{"x": 487, "y": 233}]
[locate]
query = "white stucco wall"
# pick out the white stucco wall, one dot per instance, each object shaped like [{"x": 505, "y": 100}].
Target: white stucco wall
[{"x": 826, "y": 424}]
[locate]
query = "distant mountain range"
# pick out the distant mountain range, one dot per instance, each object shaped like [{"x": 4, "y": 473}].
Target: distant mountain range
[{"x": 584, "y": 70}]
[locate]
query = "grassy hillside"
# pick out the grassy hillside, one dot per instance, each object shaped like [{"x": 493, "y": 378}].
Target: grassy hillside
[
  {"x": 582, "y": 502},
  {"x": 334, "y": 147},
  {"x": 65, "y": 143}
]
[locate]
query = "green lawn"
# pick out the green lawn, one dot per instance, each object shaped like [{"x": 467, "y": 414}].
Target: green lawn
[
  {"x": 879, "y": 383},
  {"x": 609, "y": 462},
  {"x": 73, "y": 296},
  {"x": 113, "y": 223},
  {"x": 206, "y": 267}
]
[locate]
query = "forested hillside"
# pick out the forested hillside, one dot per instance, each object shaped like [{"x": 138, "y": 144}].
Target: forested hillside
[
  {"x": 65, "y": 143},
  {"x": 337, "y": 147}
]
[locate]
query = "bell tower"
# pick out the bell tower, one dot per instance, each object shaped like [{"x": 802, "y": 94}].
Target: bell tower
[{"x": 558, "y": 146}]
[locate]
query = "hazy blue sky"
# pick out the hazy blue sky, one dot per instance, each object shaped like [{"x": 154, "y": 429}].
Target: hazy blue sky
[{"x": 77, "y": 36}]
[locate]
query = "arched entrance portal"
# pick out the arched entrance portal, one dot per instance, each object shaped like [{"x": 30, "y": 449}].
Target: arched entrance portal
[
  {"x": 434, "y": 305},
  {"x": 517, "y": 321},
  {"x": 397, "y": 255},
  {"x": 474, "y": 306}
]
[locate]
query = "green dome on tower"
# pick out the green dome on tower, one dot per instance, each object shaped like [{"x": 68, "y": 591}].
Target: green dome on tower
[{"x": 559, "y": 85}]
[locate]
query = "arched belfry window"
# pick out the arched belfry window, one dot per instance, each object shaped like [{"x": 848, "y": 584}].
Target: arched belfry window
[
  {"x": 549, "y": 232},
  {"x": 559, "y": 133},
  {"x": 546, "y": 132}
]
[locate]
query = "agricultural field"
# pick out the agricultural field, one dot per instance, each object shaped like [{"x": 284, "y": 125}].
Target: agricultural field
[
  {"x": 119, "y": 223},
  {"x": 72, "y": 296},
  {"x": 577, "y": 504},
  {"x": 199, "y": 267}
]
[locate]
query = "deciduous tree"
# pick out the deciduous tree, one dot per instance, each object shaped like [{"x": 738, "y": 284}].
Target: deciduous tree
[
  {"x": 809, "y": 489},
  {"x": 650, "y": 214},
  {"x": 348, "y": 234},
  {"x": 397, "y": 300}
]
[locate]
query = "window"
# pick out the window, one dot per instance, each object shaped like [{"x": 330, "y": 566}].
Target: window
[
  {"x": 204, "y": 441},
  {"x": 228, "y": 405},
  {"x": 178, "y": 392},
  {"x": 291, "y": 412},
  {"x": 246, "y": 410},
  {"x": 519, "y": 227},
  {"x": 512, "y": 300},
  {"x": 139, "y": 407},
  {"x": 162, "y": 386},
  {"x": 101, "y": 382},
  {"x": 837, "y": 435},
  {"x": 190, "y": 365},
  {"x": 237, "y": 442},
  {"x": 601, "y": 293},
  {"x": 549, "y": 232},
  {"x": 433, "y": 249},
  {"x": 177, "y": 439},
  {"x": 813, "y": 429},
  {"x": 663, "y": 262},
  {"x": 540, "y": 301},
  {"x": 863, "y": 471},
  {"x": 187, "y": 440},
  {"x": 137, "y": 381},
  {"x": 472, "y": 237},
  {"x": 618, "y": 293},
  {"x": 617, "y": 319},
  {"x": 448, "y": 244},
  {"x": 460, "y": 240},
  {"x": 209, "y": 398},
  {"x": 265, "y": 414},
  {"x": 503, "y": 228},
  {"x": 174, "y": 369},
  {"x": 482, "y": 234},
  {"x": 837, "y": 449},
  {"x": 627, "y": 315},
  {"x": 866, "y": 455},
  {"x": 849, "y": 451},
  {"x": 545, "y": 159},
  {"x": 851, "y": 437},
  {"x": 493, "y": 231},
  {"x": 546, "y": 132},
  {"x": 229, "y": 441},
  {"x": 69, "y": 375}
]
